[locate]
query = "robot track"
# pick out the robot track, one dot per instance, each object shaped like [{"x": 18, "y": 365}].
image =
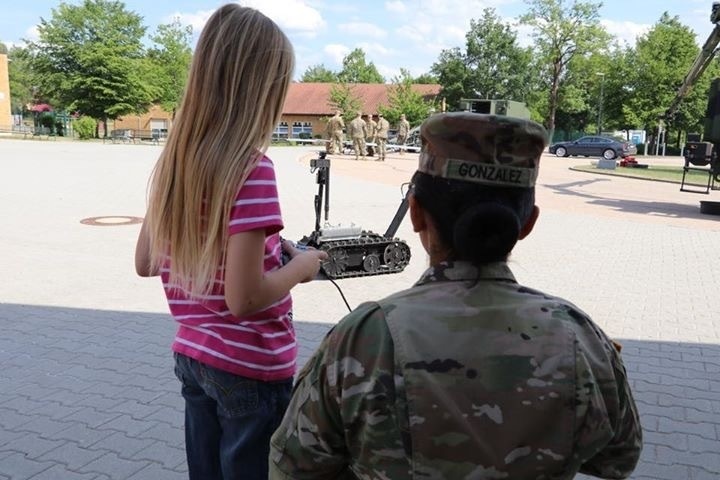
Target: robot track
[{"x": 369, "y": 254}]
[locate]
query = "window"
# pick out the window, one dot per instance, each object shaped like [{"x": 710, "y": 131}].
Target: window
[
  {"x": 302, "y": 130},
  {"x": 281, "y": 131}
]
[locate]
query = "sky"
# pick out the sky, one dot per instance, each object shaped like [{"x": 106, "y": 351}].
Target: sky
[{"x": 394, "y": 34}]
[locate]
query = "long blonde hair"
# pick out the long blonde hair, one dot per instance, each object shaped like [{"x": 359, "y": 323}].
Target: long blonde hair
[{"x": 234, "y": 96}]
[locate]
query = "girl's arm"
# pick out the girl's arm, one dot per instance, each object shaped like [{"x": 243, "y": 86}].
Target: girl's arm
[
  {"x": 142, "y": 254},
  {"x": 247, "y": 287}
]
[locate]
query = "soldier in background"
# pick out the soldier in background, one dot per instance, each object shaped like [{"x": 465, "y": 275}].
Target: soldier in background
[
  {"x": 381, "y": 136},
  {"x": 357, "y": 131},
  {"x": 402, "y": 132},
  {"x": 335, "y": 133},
  {"x": 467, "y": 374},
  {"x": 370, "y": 129}
]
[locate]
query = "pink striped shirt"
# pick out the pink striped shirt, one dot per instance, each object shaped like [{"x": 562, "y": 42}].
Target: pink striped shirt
[{"x": 261, "y": 345}]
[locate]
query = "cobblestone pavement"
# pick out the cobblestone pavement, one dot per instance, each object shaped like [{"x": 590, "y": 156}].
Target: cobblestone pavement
[{"x": 86, "y": 383}]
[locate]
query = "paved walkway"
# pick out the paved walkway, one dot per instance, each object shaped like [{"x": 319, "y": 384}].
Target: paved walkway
[{"x": 86, "y": 383}]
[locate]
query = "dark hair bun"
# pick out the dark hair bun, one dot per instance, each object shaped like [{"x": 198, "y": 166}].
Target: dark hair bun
[{"x": 486, "y": 232}]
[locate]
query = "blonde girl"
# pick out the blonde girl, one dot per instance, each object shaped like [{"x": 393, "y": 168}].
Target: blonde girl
[{"x": 211, "y": 233}]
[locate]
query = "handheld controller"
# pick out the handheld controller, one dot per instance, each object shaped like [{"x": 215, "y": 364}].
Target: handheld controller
[{"x": 284, "y": 257}]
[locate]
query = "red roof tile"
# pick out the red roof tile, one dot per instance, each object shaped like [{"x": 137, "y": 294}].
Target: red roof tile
[{"x": 313, "y": 98}]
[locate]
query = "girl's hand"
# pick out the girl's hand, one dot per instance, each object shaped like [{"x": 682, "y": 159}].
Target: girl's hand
[{"x": 308, "y": 259}]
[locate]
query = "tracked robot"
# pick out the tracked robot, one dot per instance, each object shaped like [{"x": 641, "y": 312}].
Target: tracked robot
[{"x": 352, "y": 251}]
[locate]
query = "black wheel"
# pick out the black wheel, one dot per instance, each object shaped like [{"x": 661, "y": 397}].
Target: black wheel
[
  {"x": 561, "y": 152},
  {"x": 394, "y": 256},
  {"x": 371, "y": 263},
  {"x": 336, "y": 262},
  {"x": 609, "y": 154}
]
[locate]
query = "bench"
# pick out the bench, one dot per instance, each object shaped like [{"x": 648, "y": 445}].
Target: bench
[
  {"x": 148, "y": 136},
  {"x": 121, "y": 135}
]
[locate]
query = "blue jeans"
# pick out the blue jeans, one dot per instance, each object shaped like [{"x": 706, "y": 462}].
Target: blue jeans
[{"x": 229, "y": 420}]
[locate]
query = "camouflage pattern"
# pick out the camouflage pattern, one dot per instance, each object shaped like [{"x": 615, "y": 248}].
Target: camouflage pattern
[
  {"x": 335, "y": 133},
  {"x": 357, "y": 131},
  {"x": 383, "y": 126},
  {"x": 403, "y": 129},
  {"x": 487, "y": 149},
  {"x": 466, "y": 375},
  {"x": 381, "y": 136},
  {"x": 370, "y": 129}
]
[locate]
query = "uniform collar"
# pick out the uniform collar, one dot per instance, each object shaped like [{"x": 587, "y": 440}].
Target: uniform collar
[{"x": 465, "y": 271}]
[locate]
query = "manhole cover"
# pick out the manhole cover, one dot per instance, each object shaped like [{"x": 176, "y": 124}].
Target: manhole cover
[{"x": 111, "y": 221}]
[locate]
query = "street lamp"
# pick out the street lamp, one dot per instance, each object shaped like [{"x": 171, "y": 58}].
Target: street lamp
[{"x": 600, "y": 103}]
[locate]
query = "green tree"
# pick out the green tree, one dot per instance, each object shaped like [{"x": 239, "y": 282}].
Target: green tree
[
  {"x": 90, "y": 58},
  {"x": 169, "y": 62},
  {"x": 319, "y": 74},
  {"x": 579, "y": 102},
  {"x": 452, "y": 74},
  {"x": 21, "y": 79},
  {"x": 562, "y": 32},
  {"x": 492, "y": 65},
  {"x": 403, "y": 99},
  {"x": 662, "y": 58},
  {"x": 617, "y": 90},
  {"x": 499, "y": 68},
  {"x": 356, "y": 69},
  {"x": 343, "y": 98},
  {"x": 3, "y": 49},
  {"x": 426, "y": 79}
]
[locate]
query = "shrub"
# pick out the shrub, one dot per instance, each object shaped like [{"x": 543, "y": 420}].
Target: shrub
[
  {"x": 59, "y": 128},
  {"x": 85, "y": 127},
  {"x": 46, "y": 120}
]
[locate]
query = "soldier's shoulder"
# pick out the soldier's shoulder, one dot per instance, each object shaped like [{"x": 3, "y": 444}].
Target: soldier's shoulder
[{"x": 368, "y": 315}]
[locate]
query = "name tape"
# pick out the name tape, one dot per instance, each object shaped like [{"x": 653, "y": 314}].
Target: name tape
[{"x": 490, "y": 174}]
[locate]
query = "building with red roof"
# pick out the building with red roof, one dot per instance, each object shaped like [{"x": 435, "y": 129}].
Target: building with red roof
[
  {"x": 308, "y": 106},
  {"x": 305, "y": 112}
]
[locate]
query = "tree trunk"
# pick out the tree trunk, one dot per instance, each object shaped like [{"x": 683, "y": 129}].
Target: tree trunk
[
  {"x": 553, "y": 100},
  {"x": 105, "y": 133}
]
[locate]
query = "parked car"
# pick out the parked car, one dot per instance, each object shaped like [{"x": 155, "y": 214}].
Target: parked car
[{"x": 593, "y": 145}]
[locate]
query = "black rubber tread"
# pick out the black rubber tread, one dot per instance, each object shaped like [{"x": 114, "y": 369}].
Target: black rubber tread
[{"x": 372, "y": 239}]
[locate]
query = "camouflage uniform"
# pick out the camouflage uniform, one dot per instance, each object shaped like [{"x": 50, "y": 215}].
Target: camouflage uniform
[
  {"x": 357, "y": 131},
  {"x": 381, "y": 136},
  {"x": 335, "y": 133},
  {"x": 402, "y": 132},
  {"x": 466, "y": 375},
  {"x": 370, "y": 128}
]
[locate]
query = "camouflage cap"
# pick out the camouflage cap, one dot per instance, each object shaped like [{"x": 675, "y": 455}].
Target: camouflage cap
[{"x": 488, "y": 149}]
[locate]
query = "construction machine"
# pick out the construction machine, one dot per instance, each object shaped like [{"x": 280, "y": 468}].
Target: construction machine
[{"x": 703, "y": 154}]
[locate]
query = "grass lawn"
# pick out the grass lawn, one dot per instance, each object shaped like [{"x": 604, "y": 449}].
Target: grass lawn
[{"x": 660, "y": 173}]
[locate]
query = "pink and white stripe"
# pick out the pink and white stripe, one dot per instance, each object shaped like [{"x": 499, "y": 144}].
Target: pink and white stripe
[{"x": 261, "y": 345}]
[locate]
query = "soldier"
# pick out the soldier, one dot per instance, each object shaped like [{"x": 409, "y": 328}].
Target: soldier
[
  {"x": 381, "y": 136},
  {"x": 467, "y": 374},
  {"x": 370, "y": 128},
  {"x": 335, "y": 133},
  {"x": 357, "y": 131},
  {"x": 402, "y": 132}
]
